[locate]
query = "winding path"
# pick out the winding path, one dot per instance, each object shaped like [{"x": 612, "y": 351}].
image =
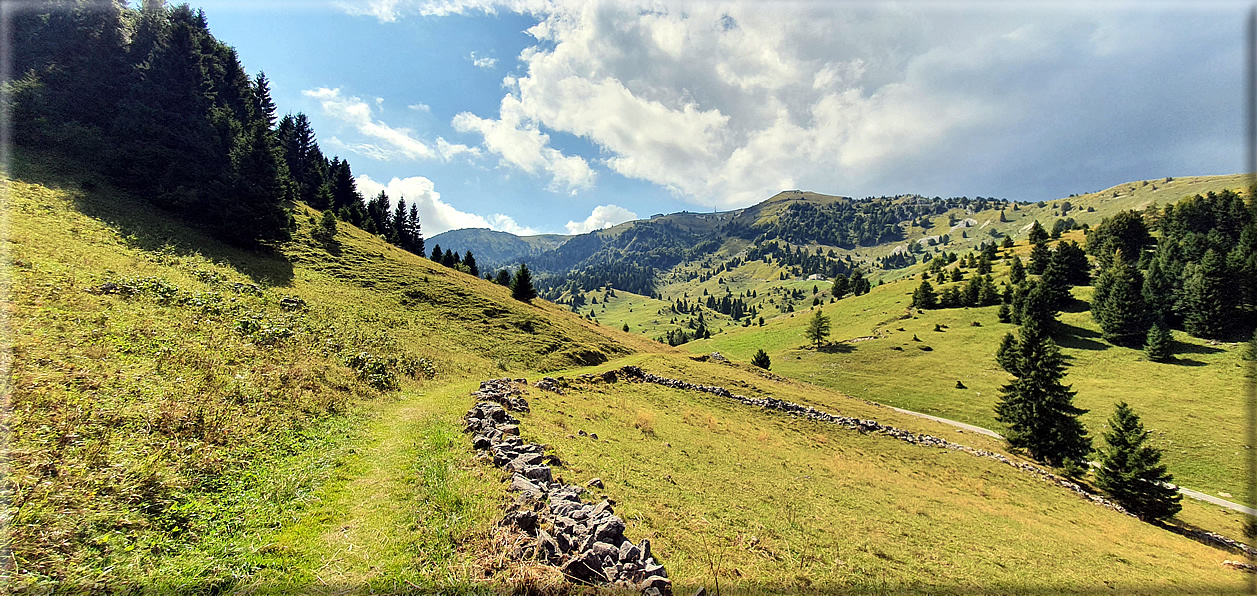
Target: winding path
[{"x": 990, "y": 433}]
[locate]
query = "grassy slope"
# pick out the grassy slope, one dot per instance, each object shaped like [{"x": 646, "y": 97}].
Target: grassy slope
[
  {"x": 764, "y": 503},
  {"x": 306, "y": 476},
  {"x": 152, "y": 439},
  {"x": 1200, "y": 433}
]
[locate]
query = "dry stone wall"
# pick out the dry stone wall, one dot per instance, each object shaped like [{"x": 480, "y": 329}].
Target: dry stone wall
[{"x": 585, "y": 541}]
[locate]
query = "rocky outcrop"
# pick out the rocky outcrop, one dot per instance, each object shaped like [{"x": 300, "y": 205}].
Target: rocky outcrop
[{"x": 584, "y": 540}]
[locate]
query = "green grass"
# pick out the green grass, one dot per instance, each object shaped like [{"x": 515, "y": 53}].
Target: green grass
[
  {"x": 162, "y": 424},
  {"x": 1191, "y": 404},
  {"x": 760, "y": 502}
]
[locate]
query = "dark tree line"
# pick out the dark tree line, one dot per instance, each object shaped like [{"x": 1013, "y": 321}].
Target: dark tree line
[
  {"x": 1199, "y": 276},
  {"x": 167, "y": 111}
]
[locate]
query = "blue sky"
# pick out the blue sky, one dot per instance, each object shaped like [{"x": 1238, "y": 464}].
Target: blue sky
[{"x": 535, "y": 116}]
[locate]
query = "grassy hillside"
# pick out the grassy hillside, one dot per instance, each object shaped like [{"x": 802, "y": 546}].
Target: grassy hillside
[
  {"x": 191, "y": 416},
  {"x": 875, "y": 356},
  {"x": 760, "y": 502},
  {"x": 174, "y": 397}
]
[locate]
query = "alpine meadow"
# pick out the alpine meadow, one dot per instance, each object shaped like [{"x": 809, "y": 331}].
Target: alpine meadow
[{"x": 237, "y": 363}]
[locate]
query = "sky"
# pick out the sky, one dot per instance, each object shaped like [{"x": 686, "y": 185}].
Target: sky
[{"x": 566, "y": 116}]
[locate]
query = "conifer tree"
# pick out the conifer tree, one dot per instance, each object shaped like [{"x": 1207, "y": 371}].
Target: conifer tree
[
  {"x": 1132, "y": 472},
  {"x": 1159, "y": 344},
  {"x": 1073, "y": 261},
  {"x": 924, "y": 298},
  {"x": 1055, "y": 281},
  {"x": 1040, "y": 257},
  {"x": 470, "y": 262},
  {"x": 1158, "y": 292},
  {"x": 1036, "y": 407},
  {"x": 761, "y": 359},
  {"x": 817, "y": 328},
  {"x": 436, "y": 253},
  {"x": 1118, "y": 304},
  {"x": 1125, "y": 231},
  {"x": 521, "y": 285},
  {"x": 1016, "y": 271},
  {"x": 1038, "y": 235},
  {"x": 1207, "y": 303},
  {"x": 504, "y": 279}
]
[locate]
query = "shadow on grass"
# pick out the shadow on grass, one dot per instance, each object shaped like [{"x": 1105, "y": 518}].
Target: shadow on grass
[
  {"x": 1072, "y": 336},
  {"x": 836, "y": 348},
  {"x": 1188, "y": 348},
  {"x": 147, "y": 227},
  {"x": 1074, "y": 306},
  {"x": 1184, "y": 362}
]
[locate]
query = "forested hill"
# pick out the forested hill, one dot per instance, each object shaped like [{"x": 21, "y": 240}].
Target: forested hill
[
  {"x": 807, "y": 233},
  {"x": 167, "y": 111}
]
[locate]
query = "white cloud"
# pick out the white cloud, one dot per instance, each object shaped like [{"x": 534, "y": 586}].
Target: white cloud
[
  {"x": 435, "y": 215},
  {"x": 603, "y": 216},
  {"x": 519, "y": 143},
  {"x": 484, "y": 62},
  {"x": 727, "y": 103},
  {"x": 420, "y": 107},
  {"x": 383, "y": 142}
]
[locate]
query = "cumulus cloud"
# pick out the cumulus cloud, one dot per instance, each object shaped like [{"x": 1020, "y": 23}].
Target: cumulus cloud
[
  {"x": 380, "y": 141},
  {"x": 603, "y": 216},
  {"x": 435, "y": 215},
  {"x": 518, "y": 142},
  {"x": 484, "y": 62},
  {"x": 727, "y": 103}
]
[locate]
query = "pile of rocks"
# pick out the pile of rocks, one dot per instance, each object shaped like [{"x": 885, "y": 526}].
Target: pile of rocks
[
  {"x": 503, "y": 391},
  {"x": 585, "y": 541},
  {"x": 634, "y": 373}
]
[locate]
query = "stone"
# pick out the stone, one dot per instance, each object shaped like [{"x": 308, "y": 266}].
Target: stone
[
  {"x": 582, "y": 433},
  {"x": 610, "y": 376},
  {"x": 611, "y": 530},
  {"x": 593, "y": 436},
  {"x": 584, "y": 569},
  {"x": 541, "y": 473},
  {"x": 595, "y": 483},
  {"x": 662, "y": 584},
  {"x": 523, "y": 484},
  {"x": 525, "y": 520},
  {"x": 547, "y": 546},
  {"x": 645, "y": 546},
  {"x": 509, "y": 429},
  {"x": 629, "y": 552},
  {"x": 480, "y": 442},
  {"x": 605, "y": 551},
  {"x": 600, "y": 509},
  {"x": 656, "y": 570}
]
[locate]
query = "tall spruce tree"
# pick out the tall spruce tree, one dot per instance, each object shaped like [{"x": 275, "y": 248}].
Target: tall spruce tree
[
  {"x": 1118, "y": 304},
  {"x": 1016, "y": 271},
  {"x": 1036, "y": 408},
  {"x": 1207, "y": 300},
  {"x": 1040, "y": 257},
  {"x": 521, "y": 285},
  {"x": 1132, "y": 472}
]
